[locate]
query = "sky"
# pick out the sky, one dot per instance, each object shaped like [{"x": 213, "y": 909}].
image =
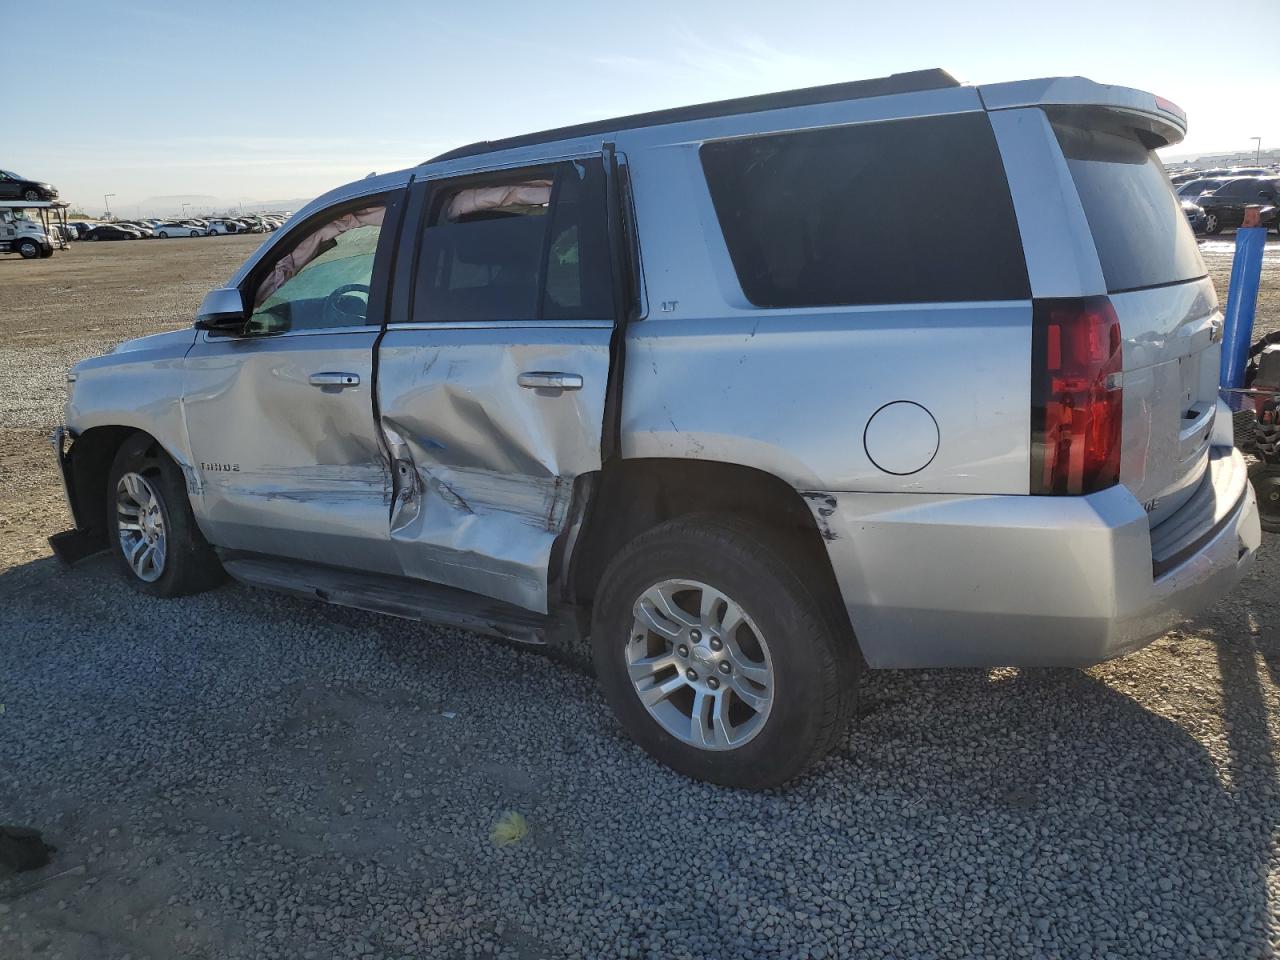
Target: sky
[{"x": 167, "y": 101}]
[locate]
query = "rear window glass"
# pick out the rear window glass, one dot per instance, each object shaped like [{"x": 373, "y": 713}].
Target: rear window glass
[
  {"x": 1142, "y": 237},
  {"x": 905, "y": 211}
]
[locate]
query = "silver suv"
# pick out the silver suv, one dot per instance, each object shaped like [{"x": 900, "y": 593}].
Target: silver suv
[{"x": 735, "y": 400}]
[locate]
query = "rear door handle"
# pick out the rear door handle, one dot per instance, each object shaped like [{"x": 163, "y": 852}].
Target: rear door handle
[
  {"x": 334, "y": 379},
  {"x": 549, "y": 380}
]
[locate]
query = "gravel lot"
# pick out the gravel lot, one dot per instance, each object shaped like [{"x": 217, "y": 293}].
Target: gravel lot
[{"x": 246, "y": 775}]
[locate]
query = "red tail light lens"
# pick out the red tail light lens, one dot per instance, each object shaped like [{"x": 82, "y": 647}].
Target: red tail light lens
[{"x": 1077, "y": 401}]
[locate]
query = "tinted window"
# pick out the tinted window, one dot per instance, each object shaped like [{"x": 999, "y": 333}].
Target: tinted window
[
  {"x": 907, "y": 211},
  {"x": 533, "y": 246},
  {"x": 1142, "y": 237}
]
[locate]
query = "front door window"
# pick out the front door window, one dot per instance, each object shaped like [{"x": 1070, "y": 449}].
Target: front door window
[{"x": 322, "y": 282}]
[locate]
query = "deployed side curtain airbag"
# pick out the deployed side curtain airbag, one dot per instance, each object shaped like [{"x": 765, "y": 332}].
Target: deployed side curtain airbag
[
  {"x": 312, "y": 246},
  {"x": 533, "y": 193}
]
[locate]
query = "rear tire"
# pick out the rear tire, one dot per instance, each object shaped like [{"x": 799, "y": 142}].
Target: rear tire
[
  {"x": 774, "y": 691},
  {"x": 154, "y": 538}
]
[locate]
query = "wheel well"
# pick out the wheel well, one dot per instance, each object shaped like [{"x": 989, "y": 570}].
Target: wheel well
[
  {"x": 631, "y": 496},
  {"x": 89, "y": 463}
]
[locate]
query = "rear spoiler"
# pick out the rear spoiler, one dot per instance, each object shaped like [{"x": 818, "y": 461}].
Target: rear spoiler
[{"x": 1164, "y": 119}]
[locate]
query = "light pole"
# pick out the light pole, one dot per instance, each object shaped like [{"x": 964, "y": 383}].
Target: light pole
[
  {"x": 184, "y": 210},
  {"x": 1257, "y": 156},
  {"x": 106, "y": 202}
]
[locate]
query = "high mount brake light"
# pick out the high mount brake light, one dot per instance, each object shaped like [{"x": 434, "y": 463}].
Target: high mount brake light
[
  {"x": 1168, "y": 106},
  {"x": 1077, "y": 396}
]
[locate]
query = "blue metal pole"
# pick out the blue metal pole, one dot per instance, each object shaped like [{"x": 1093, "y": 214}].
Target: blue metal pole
[{"x": 1242, "y": 303}]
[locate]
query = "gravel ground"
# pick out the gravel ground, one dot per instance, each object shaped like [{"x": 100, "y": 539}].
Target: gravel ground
[{"x": 246, "y": 775}]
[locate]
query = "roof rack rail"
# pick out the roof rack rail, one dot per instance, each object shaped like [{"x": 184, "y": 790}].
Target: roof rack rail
[{"x": 911, "y": 82}]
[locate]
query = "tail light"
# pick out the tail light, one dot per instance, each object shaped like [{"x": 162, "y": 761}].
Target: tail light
[{"x": 1077, "y": 398}]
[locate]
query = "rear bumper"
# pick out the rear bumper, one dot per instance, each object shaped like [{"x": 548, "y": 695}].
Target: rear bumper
[{"x": 965, "y": 581}]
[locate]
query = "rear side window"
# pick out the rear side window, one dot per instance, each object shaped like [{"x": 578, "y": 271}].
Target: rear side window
[
  {"x": 1142, "y": 237},
  {"x": 531, "y": 246},
  {"x": 905, "y": 211}
]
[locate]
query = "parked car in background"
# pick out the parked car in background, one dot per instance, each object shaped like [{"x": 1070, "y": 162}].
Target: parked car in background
[
  {"x": 113, "y": 231},
  {"x": 144, "y": 229},
  {"x": 223, "y": 227},
  {"x": 1195, "y": 215},
  {"x": 1250, "y": 172},
  {"x": 1193, "y": 188},
  {"x": 69, "y": 232},
  {"x": 432, "y": 413},
  {"x": 177, "y": 228},
  {"x": 13, "y": 186},
  {"x": 1224, "y": 207},
  {"x": 83, "y": 227}
]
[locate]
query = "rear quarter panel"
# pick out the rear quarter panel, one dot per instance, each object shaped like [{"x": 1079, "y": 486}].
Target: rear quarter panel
[{"x": 791, "y": 391}]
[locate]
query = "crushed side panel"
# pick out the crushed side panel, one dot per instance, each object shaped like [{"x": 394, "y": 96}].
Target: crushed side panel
[{"x": 484, "y": 468}]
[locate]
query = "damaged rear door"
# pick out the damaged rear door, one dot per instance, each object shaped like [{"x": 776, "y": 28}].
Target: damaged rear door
[{"x": 493, "y": 370}]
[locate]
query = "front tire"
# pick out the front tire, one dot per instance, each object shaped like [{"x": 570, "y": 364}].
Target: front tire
[
  {"x": 29, "y": 249},
  {"x": 1212, "y": 225},
  {"x": 718, "y": 654},
  {"x": 154, "y": 538},
  {"x": 31, "y": 195}
]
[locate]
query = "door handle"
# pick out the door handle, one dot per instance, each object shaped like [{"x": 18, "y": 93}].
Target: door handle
[
  {"x": 549, "y": 380},
  {"x": 334, "y": 379}
]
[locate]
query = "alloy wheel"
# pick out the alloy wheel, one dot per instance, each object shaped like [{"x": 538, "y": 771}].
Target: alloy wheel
[
  {"x": 700, "y": 665},
  {"x": 140, "y": 526}
]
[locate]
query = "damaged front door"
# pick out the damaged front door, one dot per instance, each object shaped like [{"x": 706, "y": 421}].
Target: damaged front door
[
  {"x": 493, "y": 371},
  {"x": 280, "y": 412}
]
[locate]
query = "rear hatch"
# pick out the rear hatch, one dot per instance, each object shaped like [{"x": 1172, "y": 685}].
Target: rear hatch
[{"x": 1166, "y": 304}]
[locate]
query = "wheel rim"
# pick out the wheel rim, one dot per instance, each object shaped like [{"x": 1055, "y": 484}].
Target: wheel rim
[
  {"x": 140, "y": 524},
  {"x": 700, "y": 665},
  {"x": 1210, "y": 222}
]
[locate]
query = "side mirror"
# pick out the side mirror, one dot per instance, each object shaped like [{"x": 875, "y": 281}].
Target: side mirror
[{"x": 222, "y": 310}]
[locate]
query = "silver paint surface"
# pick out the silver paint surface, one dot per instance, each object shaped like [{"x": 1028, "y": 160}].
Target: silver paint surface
[
  {"x": 311, "y": 481},
  {"x": 139, "y": 385},
  {"x": 488, "y": 466},
  {"x": 934, "y": 581}
]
